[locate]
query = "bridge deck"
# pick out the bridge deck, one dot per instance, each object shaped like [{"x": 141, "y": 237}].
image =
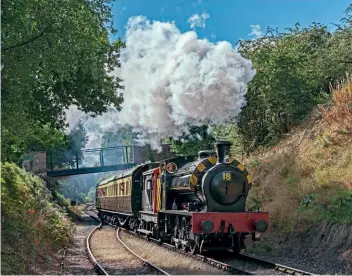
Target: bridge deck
[
  {"x": 89, "y": 161},
  {"x": 90, "y": 170}
]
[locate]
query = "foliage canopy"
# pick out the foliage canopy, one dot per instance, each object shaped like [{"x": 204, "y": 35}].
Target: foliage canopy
[
  {"x": 54, "y": 54},
  {"x": 294, "y": 71}
]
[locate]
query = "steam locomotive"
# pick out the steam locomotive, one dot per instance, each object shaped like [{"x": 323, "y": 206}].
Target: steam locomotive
[{"x": 195, "y": 202}]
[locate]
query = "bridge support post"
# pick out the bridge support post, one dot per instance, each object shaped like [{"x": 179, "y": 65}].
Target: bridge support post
[
  {"x": 126, "y": 155},
  {"x": 102, "y": 158},
  {"x": 77, "y": 160}
]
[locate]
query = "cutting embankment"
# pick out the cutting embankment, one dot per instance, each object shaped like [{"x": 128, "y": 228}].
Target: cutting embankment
[
  {"x": 33, "y": 226},
  {"x": 305, "y": 183}
]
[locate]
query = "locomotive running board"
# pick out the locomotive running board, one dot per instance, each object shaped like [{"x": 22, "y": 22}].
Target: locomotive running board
[
  {"x": 114, "y": 212},
  {"x": 145, "y": 231}
]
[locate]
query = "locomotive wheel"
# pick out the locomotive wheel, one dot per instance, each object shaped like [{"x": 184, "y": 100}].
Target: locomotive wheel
[
  {"x": 177, "y": 232},
  {"x": 194, "y": 246},
  {"x": 194, "y": 249},
  {"x": 183, "y": 234}
]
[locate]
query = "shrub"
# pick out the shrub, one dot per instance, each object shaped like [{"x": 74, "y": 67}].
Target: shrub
[{"x": 31, "y": 222}]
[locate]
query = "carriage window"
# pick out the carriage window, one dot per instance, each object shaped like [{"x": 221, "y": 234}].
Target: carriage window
[
  {"x": 129, "y": 187},
  {"x": 148, "y": 184},
  {"x": 122, "y": 187}
]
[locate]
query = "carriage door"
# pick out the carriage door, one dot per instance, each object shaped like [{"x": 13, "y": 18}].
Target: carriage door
[{"x": 147, "y": 197}]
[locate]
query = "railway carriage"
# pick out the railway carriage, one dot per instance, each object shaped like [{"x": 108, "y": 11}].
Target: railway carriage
[{"x": 194, "y": 202}]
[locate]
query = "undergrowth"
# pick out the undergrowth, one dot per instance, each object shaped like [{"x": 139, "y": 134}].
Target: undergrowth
[
  {"x": 32, "y": 224},
  {"x": 307, "y": 177}
]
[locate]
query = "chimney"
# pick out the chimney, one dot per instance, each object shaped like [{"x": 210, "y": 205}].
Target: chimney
[{"x": 223, "y": 148}]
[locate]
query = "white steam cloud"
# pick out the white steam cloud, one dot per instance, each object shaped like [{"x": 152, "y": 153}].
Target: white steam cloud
[{"x": 173, "y": 80}]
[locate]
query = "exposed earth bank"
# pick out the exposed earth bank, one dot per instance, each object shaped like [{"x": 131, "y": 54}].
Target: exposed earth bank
[
  {"x": 305, "y": 183},
  {"x": 322, "y": 248}
]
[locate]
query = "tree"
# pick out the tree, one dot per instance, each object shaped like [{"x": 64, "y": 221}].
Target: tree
[
  {"x": 72, "y": 151},
  {"x": 123, "y": 136},
  {"x": 294, "y": 71},
  {"x": 55, "y": 54},
  {"x": 198, "y": 139},
  {"x": 229, "y": 131}
]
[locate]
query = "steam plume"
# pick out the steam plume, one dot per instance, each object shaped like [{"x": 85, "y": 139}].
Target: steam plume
[{"x": 173, "y": 80}]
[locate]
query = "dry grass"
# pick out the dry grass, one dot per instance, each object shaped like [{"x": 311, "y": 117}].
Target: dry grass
[
  {"x": 170, "y": 261},
  {"x": 308, "y": 176},
  {"x": 340, "y": 110},
  {"x": 113, "y": 256}
]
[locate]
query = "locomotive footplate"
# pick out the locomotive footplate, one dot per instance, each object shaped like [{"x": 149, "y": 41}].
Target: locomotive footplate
[{"x": 177, "y": 212}]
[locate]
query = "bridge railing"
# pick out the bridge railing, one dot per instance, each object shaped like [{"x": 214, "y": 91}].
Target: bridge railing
[{"x": 89, "y": 158}]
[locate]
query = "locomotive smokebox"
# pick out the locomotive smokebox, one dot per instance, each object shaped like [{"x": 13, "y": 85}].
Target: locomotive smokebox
[{"x": 223, "y": 148}]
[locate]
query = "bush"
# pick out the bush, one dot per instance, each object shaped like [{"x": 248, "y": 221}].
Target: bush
[
  {"x": 336, "y": 209},
  {"x": 31, "y": 222},
  {"x": 294, "y": 71}
]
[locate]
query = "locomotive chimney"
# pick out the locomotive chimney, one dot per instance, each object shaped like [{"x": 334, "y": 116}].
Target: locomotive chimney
[{"x": 223, "y": 148}]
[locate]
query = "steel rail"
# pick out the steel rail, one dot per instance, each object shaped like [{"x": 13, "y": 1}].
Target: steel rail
[
  {"x": 227, "y": 267},
  {"x": 221, "y": 264},
  {"x": 139, "y": 257},
  {"x": 100, "y": 270},
  {"x": 215, "y": 263},
  {"x": 274, "y": 266}
]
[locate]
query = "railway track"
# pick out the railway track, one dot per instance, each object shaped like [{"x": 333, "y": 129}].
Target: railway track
[
  {"x": 89, "y": 210},
  {"x": 153, "y": 266},
  {"x": 97, "y": 266},
  {"x": 265, "y": 267},
  {"x": 213, "y": 262},
  {"x": 273, "y": 266}
]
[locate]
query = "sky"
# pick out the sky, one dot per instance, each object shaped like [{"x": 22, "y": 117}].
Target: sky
[{"x": 229, "y": 20}]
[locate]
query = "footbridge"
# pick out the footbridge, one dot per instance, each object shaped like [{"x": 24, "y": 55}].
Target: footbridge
[{"x": 65, "y": 163}]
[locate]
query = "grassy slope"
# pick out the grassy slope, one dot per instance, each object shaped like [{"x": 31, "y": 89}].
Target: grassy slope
[
  {"x": 306, "y": 179},
  {"x": 33, "y": 226},
  {"x": 310, "y": 171}
]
